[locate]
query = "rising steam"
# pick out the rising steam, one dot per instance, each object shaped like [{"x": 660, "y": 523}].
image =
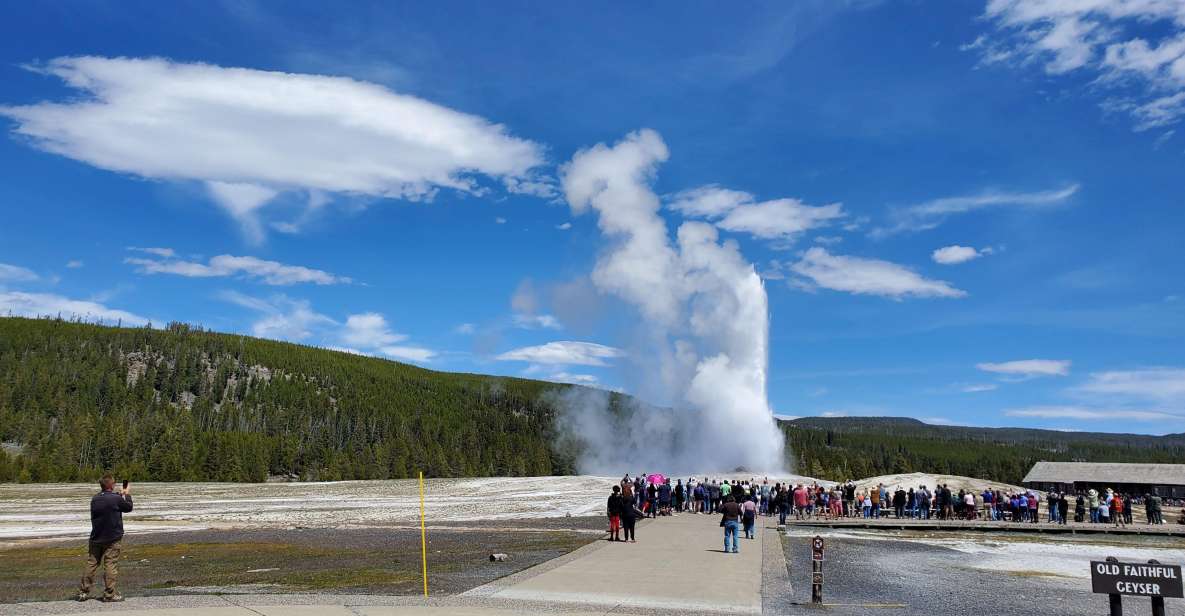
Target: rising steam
[{"x": 703, "y": 349}]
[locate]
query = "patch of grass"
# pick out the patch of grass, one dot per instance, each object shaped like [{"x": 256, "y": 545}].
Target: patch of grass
[{"x": 1026, "y": 573}]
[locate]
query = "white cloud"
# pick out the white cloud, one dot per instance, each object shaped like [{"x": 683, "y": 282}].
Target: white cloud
[
  {"x": 734, "y": 210},
  {"x": 951, "y": 255},
  {"x": 465, "y": 329},
  {"x": 34, "y": 305},
  {"x": 1156, "y": 385},
  {"x": 930, "y": 214},
  {"x": 249, "y": 134},
  {"x": 828, "y": 240},
  {"x": 1133, "y": 45},
  {"x": 1028, "y": 368},
  {"x": 564, "y": 226},
  {"x": 564, "y": 352},
  {"x": 499, "y": 220},
  {"x": 16, "y": 273},
  {"x": 1093, "y": 414},
  {"x": 270, "y": 272},
  {"x": 819, "y": 268},
  {"x": 74, "y": 264},
  {"x": 368, "y": 330},
  {"x": 978, "y": 387}
]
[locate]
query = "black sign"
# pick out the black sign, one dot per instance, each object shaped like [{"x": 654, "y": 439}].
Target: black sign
[
  {"x": 816, "y": 578},
  {"x": 1143, "y": 579},
  {"x": 817, "y": 544}
]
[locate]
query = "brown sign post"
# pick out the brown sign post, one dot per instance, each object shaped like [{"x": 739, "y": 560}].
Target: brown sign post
[
  {"x": 817, "y": 570},
  {"x": 1151, "y": 579}
]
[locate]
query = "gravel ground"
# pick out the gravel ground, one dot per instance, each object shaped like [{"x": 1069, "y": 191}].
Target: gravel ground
[
  {"x": 866, "y": 576},
  {"x": 344, "y": 560}
]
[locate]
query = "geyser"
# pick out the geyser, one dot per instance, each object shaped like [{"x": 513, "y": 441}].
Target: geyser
[{"x": 703, "y": 349}]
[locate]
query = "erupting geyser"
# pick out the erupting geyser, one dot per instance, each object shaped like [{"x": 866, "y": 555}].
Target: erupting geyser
[{"x": 703, "y": 350}]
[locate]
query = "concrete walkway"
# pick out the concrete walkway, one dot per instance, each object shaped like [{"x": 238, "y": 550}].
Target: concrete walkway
[
  {"x": 678, "y": 563},
  {"x": 678, "y": 566}
]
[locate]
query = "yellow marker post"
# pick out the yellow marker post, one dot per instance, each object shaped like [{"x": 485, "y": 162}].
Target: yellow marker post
[{"x": 423, "y": 536}]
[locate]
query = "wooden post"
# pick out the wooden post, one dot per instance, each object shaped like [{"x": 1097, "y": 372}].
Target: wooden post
[
  {"x": 1157, "y": 602},
  {"x": 1116, "y": 605},
  {"x": 423, "y": 537}
]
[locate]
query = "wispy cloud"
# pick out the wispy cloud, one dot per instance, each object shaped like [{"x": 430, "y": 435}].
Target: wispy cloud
[
  {"x": 270, "y": 272},
  {"x": 978, "y": 387},
  {"x": 525, "y": 304},
  {"x": 576, "y": 379},
  {"x": 1160, "y": 385},
  {"x": 738, "y": 211},
  {"x": 564, "y": 352},
  {"x": 34, "y": 305},
  {"x": 368, "y": 333},
  {"x": 1093, "y": 414},
  {"x": 1135, "y": 49},
  {"x": 930, "y": 214},
  {"x": 283, "y": 318},
  {"x": 16, "y": 273},
  {"x": 167, "y": 253},
  {"x": 536, "y": 321},
  {"x": 819, "y": 268},
  {"x": 1028, "y": 368}
]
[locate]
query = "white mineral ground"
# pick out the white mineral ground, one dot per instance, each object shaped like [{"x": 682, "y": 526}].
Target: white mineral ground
[
  {"x": 1023, "y": 553},
  {"x": 955, "y": 482},
  {"x": 31, "y": 511}
]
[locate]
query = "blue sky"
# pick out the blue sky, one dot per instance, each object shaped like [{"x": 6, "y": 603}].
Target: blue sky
[{"x": 390, "y": 179}]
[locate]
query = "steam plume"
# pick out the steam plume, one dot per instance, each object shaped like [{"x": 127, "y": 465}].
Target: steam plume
[{"x": 705, "y": 347}]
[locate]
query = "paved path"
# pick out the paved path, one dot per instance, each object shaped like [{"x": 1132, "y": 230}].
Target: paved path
[
  {"x": 678, "y": 563},
  {"x": 678, "y": 566}
]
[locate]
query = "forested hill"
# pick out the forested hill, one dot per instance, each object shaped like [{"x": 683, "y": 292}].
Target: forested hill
[
  {"x": 186, "y": 404},
  {"x": 840, "y": 448}
]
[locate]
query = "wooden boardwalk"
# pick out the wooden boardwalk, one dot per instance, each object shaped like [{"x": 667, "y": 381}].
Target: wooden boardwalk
[{"x": 889, "y": 523}]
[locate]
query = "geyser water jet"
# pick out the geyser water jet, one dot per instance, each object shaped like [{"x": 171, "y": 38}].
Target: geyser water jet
[{"x": 703, "y": 351}]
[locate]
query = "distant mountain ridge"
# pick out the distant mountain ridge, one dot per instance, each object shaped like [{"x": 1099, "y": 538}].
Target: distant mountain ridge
[
  {"x": 840, "y": 448},
  {"x": 1003, "y": 435}
]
